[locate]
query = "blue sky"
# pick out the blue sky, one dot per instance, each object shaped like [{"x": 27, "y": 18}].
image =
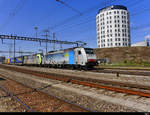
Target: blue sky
[{"x": 19, "y": 17}]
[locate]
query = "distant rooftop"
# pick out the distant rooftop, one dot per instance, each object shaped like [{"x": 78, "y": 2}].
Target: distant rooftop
[{"x": 113, "y": 7}]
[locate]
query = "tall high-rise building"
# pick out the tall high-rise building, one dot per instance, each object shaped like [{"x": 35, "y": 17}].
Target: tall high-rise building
[{"x": 113, "y": 27}]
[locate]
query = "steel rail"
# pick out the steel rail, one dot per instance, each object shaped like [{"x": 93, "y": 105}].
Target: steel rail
[
  {"x": 122, "y": 72},
  {"x": 85, "y": 83},
  {"x": 117, "y": 68},
  {"x": 16, "y": 98},
  {"x": 62, "y": 78},
  {"x": 50, "y": 94},
  {"x": 111, "y": 88}
]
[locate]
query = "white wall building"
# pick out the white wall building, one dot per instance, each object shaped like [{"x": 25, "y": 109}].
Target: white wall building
[
  {"x": 113, "y": 27},
  {"x": 143, "y": 43}
]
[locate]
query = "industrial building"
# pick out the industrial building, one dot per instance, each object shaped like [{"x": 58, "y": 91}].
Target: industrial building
[{"x": 113, "y": 27}]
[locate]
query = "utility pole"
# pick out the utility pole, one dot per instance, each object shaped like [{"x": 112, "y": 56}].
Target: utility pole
[
  {"x": 46, "y": 36},
  {"x": 14, "y": 49},
  {"x": 10, "y": 47},
  {"x": 36, "y": 33},
  {"x": 54, "y": 41},
  {"x": 61, "y": 47},
  {"x": 20, "y": 53},
  {"x": 36, "y": 29},
  {"x": 2, "y": 41}
]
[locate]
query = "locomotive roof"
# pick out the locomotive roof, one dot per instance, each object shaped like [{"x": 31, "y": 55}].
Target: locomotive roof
[{"x": 65, "y": 50}]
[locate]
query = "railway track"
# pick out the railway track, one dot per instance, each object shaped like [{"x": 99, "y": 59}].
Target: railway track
[
  {"x": 35, "y": 101},
  {"x": 101, "y": 84},
  {"x": 123, "y": 71},
  {"x": 14, "y": 104}
]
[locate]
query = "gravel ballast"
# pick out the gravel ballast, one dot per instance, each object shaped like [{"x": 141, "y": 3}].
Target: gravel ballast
[{"x": 94, "y": 101}]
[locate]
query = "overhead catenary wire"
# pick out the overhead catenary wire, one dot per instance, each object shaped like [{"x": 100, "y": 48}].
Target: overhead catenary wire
[
  {"x": 104, "y": 3},
  {"x": 93, "y": 19},
  {"x": 13, "y": 13},
  {"x": 132, "y": 4},
  {"x": 89, "y": 19},
  {"x": 67, "y": 5},
  {"x": 83, "y": 13}
]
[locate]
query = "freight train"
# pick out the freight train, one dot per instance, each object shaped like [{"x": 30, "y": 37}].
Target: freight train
[{"x": 68, "y": 58}]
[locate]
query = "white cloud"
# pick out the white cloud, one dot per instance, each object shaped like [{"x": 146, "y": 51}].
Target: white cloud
[{"x": 147, "y": 37}]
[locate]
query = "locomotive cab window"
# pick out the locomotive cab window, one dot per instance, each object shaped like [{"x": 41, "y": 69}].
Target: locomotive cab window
[
  {"x": 79, "y": 52},
  {"x": 89, "y": 51}
]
